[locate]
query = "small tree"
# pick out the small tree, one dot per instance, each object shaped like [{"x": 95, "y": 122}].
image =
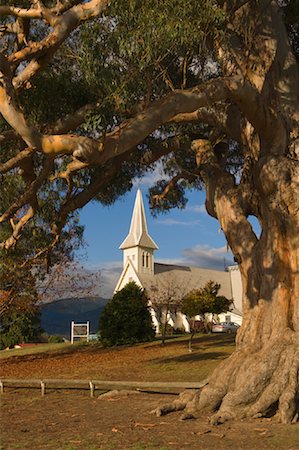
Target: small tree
[
  {"x": 19, "y": 312},
  {"x": 18, "y": 327},
  {"x": 204, "y": 301},
  {"x": 126, "y": 317},
  {"x": 166, "y": 296},
  {"x": 190, "y": 307}
]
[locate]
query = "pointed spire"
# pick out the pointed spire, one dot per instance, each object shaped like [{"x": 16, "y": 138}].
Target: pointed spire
[{"x": 138, "y": 234}]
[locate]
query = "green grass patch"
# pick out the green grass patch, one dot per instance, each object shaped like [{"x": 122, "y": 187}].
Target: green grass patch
[{"x": 42, "y": 348}]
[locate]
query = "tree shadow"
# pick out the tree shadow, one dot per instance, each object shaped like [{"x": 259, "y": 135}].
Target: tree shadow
[
  {"x": 204, "y": 340},
  {"x": 192, "y": 357}
]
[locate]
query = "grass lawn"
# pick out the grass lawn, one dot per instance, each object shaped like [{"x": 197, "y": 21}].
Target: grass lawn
[{"x": 147, "y": 362}]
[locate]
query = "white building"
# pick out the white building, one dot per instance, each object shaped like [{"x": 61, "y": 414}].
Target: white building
[{"x": 139, "y": 266}]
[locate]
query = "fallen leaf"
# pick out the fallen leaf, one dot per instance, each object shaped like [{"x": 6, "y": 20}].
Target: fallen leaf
[
  {"x": 149, "y": 425},
  {"x": 200, "y": 433},
  {"x": 261, "y": 430}
]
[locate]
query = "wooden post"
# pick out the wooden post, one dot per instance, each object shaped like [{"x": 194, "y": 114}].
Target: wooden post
[
  {"x": 92, "y": 388},
  {"x": 72, "y": 332}
]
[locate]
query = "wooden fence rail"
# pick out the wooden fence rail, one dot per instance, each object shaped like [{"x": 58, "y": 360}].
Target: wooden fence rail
[{"x": 92, "y": 385}]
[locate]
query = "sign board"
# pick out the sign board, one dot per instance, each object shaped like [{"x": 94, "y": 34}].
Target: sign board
[{"x": 79, "y": 331}]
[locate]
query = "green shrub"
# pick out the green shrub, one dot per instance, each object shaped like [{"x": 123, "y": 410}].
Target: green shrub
[
  {"x": 17, "y": 327},
  {"x": 54, "y": 339},
  {"x": 179, "y": 330},
  {"x": 126, "y": 318},
  {"x": 169, "y": 330}
]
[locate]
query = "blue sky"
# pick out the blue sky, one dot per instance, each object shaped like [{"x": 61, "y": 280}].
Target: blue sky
[{"x": 186, "y": 236}]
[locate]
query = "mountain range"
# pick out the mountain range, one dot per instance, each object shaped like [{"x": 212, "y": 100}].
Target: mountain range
[{"x": 56, "y": 317}]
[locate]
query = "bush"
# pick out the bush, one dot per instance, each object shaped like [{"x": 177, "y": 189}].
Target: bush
[
  {"x": 179, "y": 330},
  {"x": 18, "y": 327},
  {"x": 169, "y": 330},
  {"x": 126, "y": 318},
  {"x": 54, "y": 339}
]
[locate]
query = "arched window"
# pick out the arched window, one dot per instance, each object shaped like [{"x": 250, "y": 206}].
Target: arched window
[
  {"x": 146, "y": 260},
  {"x": 143, "y": 259}
]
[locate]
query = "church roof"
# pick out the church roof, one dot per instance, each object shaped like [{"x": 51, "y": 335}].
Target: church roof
[
  {"x": 138, "y": 234},
  {"x": 188, "y": 278}
]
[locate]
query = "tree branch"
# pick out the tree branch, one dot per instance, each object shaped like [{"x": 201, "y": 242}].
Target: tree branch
[
  {"x": 127, "y": 135},
  {"x": 171, "y": 184},
  {"x": 62, "y": 28},
  {"x": 17, "y": 229},
  {"x": 30, "y": 13},
  {"x": 10, "y": 110},
  {"x": 224, "y": 202},
  {"x": 81, "y": 199},
  {"x": 15, "y": 160},
  {"x": 28, "y": 196}
]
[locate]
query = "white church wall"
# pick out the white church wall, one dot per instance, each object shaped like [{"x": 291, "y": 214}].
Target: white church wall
[
  {"x": 182, "y": 322},
  {"x": 132, "y": 254},
  {"x": 146, "y": 261},
  {"x": 155, "y": 321},
  {"x": 127, "y": 276}
]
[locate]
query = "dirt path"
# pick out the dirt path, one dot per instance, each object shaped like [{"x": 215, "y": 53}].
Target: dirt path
[{"x": 70, "y": 420}]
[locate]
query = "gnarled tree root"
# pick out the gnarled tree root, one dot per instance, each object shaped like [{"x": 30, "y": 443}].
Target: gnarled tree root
[{"x": 248, "y": 384}]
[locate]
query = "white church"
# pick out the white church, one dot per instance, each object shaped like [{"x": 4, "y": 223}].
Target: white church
[{"x": 139, "y": 266}]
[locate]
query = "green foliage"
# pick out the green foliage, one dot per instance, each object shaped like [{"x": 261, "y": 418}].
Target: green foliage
[
  {"x": 126, "y": 318},
  {"x": 19, "y": 327},
  {"x": 19, "y": 313},
  {"x": 150, "y": 29},
  {"x": 54, "y": 339},
  {"x": 205, "y": 300},
  {"x": 291, "y": 11}
]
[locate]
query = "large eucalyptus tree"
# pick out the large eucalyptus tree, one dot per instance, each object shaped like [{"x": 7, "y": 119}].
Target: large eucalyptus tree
[{"x": 212, "y": 88}]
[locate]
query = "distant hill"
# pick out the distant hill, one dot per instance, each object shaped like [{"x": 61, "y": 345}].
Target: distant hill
[{"x": 57, "y": 316}]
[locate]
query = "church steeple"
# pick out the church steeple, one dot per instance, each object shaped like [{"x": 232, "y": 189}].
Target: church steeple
[
  {"x": 138, "y": 245},
  {"x": 138, "y": 234}
]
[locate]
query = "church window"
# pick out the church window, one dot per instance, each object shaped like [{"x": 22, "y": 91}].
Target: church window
[
  {"x": 146, "y": 260},
  {"x": 143, "y": 259}
]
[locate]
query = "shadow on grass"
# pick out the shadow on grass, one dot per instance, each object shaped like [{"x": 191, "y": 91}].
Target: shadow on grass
[
  {"x": 191, "y": 357},
  {"x": 204, "y": 340}
]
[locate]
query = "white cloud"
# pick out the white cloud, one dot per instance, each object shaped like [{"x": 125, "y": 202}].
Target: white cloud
[
  {"x": 197, "y": 209},
  {"x": 110, "y": 274},
  {"x": 206, "y": 256},
  {"x": 150, "y": 178},
  {"x": 202, "y": 256}
]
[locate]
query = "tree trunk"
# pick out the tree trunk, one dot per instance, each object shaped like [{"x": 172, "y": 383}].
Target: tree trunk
[
  {"x": 163, "y": 332},
  {"x": 262, "y": 376},
  {"x": 191, "y": 338}
]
